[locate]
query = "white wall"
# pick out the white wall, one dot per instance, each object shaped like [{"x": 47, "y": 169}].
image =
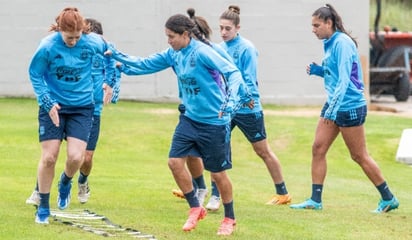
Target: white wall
[{"x": 281, "y": 30}]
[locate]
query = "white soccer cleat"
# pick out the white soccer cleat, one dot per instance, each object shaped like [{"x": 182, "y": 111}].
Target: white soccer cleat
[
  {"x": 213, "y": 204},
  {"x": 201, "y": 195},
  {"x": 34, "y": 199},
  {"x": 84, "y": 192}
]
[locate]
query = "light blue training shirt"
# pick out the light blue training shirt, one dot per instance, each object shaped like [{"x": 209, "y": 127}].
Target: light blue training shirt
[
  {"x": 63, "y": 75},
  {"x": 342, "y": 75},
  {"x": 200, "y": 87},
  {"x": 244, "y": 55}
]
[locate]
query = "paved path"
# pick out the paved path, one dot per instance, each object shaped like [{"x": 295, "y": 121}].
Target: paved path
[{"x": 388, "y": 103}]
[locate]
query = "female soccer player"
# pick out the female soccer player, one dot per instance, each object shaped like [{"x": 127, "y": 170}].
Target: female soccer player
[
  {"x": 61, "y": 75},
  {"x": 344, "y": 111},
  {"x": 209, "y": 99},
  {"x": 249, "y": 121}
]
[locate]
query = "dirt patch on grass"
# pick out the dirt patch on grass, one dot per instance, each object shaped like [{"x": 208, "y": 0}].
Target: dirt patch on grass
[
  {"x": 161, "y": 111},
  {"x": 304, "y": 112},
  {"x": 298, "y": 112}
]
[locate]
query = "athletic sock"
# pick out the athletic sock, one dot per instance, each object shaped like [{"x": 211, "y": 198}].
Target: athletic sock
[
  {"x": 192, "y": 199},
  {"x": 281, "y": 188},
  {"x": 37, "y": 186},
  {"x": 384, "y": 191},
  {"x": 229, "y": 212},
  {"x": 44, "y": 200},
  {"x": 82, "y": 178},
  {"x": 64, "y": 179},
  {"x": 317, "y": 192},
  {"x": 215, "y": 191},
  {"x": 195, "y": 187},
  {"x": 200, "y": 181}
]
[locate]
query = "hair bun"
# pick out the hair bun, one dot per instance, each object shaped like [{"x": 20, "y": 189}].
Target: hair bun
[{"x": 191, "y": 12}]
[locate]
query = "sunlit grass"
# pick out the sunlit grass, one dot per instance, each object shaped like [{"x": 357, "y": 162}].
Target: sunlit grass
[{"x": 131, "y": 183}]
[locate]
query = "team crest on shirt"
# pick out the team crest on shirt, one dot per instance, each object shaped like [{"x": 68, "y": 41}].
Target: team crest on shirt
[
  {"x": 85, "y": 54},
  {"x": 68, "y": 74},
  {"x": 236, "y": 53},
  {"x": 97, "y": 62}
]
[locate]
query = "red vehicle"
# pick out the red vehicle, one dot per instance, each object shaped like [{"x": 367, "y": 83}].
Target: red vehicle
[{"x": 390, "y": 61}]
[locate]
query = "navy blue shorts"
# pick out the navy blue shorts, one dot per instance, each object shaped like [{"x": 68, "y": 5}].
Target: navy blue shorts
[
  {"x": 252, "y": 125},
  {"x": 94, "y": 134},
  {"x": 350, "y": 118},
  {"x": 74, "y": 122},
  {"x": 210, "y": 142}
]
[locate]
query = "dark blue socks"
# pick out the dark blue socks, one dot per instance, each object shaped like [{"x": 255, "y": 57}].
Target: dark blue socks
[
  {"x": 200, "y": 181},
  {"x": 192, "y": 199},
  {"x": 317, "y": 192},
  {"x": 44, "y": 200},
  {"x": 215, "y": 191},
  {"x": 82, "y": 178},
  {"x": 64, "y": 179},
  {"x": 384, "y": 191},
  {"x": 229, "y": 212},
  {"x": 281, "y": 188}
]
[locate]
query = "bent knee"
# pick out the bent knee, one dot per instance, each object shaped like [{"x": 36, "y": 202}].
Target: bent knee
[
  {"x": 75, "y": 157},
  {"x": 264, "y": 154},
  {"x": 318, "y": 149},
  {"x": 219, "y": 176},
  {"x": 262, "y": 150},
  {"x": 360, "y": 158},
  {"x": 175, "y": 163},
  {"x": 49, "y": 160}
]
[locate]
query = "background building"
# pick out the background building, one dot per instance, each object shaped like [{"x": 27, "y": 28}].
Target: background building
[{"x": 281, "y": 30}]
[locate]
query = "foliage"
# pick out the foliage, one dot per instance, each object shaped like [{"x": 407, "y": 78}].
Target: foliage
[{"x": 394, "y": 13}]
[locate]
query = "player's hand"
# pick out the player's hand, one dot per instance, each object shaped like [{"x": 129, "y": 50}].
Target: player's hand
[
  {"x": 108, "y": 94},
  {"x": 108, "y": 53},
  {"x": 54, "y": 115},
  {"x": 226, "y": 110},
  {"x": 314, "y": 69},
  {"x": 251, "y": 104}
]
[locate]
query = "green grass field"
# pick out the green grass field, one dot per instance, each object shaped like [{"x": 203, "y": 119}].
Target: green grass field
[{"x": 131, "y": 183}]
